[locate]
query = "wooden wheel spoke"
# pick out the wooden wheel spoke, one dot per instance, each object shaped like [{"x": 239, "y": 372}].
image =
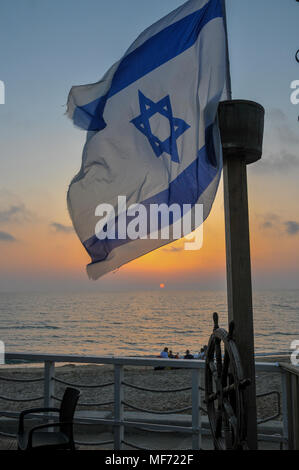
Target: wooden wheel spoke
[
  {"x": 213, "y": 370},
  {"x": 212, "y": 367},
  {"x": 228, "y": 435},
  {"x": 230, "y": 414},
  {"x": 212, "y": 397},
  {"x": 218, "y": 430},
  {"x": 225, "y": 368},
  {"x": 218, "y": 357},
  {"x": 229, "y": 389},
  {"x": 224, "y": 390}
]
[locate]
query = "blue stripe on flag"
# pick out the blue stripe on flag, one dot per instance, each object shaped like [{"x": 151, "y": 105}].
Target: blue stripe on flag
[
  {"x": 159, "y": 49},
  {"x": 185, "y": 189}
]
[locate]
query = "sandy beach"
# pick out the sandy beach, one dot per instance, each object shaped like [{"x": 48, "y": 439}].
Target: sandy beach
[{"x": 145, "y": 377}]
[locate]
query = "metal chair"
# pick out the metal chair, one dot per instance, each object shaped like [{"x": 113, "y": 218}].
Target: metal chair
[{"x": 41, "y": 437}]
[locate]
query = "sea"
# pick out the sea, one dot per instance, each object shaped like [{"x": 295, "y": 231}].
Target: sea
[{"x": 137, "y": 323}]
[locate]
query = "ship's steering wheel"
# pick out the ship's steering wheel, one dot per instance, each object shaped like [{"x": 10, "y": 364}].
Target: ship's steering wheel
[{"x": 224, "y": 390}]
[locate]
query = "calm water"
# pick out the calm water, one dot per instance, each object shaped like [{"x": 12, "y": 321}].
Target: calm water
[{"x": 136, "y": 323}]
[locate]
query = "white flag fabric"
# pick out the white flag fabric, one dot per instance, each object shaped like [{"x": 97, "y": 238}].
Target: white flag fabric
[{"x": 152, "y": 129}]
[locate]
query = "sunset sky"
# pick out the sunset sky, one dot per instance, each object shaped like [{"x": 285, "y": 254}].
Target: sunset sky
[{"x": 48, "y": 46}]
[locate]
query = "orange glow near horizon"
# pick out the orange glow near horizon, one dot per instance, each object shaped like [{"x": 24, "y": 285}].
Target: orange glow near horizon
[{"x": 41, "y": 251}]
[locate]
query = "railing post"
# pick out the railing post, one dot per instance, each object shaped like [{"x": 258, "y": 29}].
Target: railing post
[
  {"x": 295, "y": 407},
  {"x": 292, "y": 404},
  {"x": 284, "y": 408},
  {"x": 118, "y": 407},
  {"x": 49, "y": 384},
  {"x": 196, "y": 413}
]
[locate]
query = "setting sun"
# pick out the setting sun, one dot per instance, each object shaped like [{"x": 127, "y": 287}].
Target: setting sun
[{"x": 162, "y": 286}]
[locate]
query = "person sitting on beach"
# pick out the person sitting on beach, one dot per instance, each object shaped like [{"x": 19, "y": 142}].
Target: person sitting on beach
[
  {"x": 177, "y": 356},
  {"x": 188, "y": 355},
  {"x": 164, "y": 353},
  {"x": 170, "y": 355},
  {"x": 201, "y": 354}
]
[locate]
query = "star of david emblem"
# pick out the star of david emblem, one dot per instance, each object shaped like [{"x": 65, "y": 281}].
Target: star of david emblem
[{"x": 148, "y": 109}]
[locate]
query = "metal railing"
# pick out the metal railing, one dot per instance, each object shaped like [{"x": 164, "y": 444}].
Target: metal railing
[
  {"x": 118, "y": 421},
  {"x": 291, "y": 374}
]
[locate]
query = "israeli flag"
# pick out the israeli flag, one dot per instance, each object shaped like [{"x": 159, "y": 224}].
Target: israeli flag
[{"x": 152, "y": 133}]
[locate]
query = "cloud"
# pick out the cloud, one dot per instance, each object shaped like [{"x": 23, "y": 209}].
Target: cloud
[
  {"x": 281, "y": 144},
  {"x": 280, "y": 161},
  {"x": 273, "y": 221},
  {"x": 60, "y": 228},
  {"x": 267, "y": 224},
  {"x": 269, "y": 221},
  {"x": 14, "y": 212},
  {"x": 292, "y": 227},
  {"x": 12, "y": 208},
  {"x": 279, "y": 121},
  {"x": 6, "y": 237}
]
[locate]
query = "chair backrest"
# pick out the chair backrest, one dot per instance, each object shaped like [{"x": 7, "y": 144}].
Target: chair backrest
[{"x": 67, "y": 408}]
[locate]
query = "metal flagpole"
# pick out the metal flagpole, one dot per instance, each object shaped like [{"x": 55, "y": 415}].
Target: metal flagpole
[{"x": 228, "y": 75}]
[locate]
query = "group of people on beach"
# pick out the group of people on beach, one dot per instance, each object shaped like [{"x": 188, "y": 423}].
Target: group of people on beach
[{"x": 168, "y": 354}]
